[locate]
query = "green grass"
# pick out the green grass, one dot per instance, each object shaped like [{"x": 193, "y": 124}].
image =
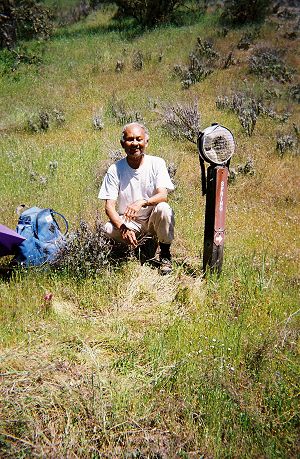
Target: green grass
[{"x": 127, "y": 363}]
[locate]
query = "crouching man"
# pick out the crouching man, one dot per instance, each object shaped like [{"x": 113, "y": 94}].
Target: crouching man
[{"x": 140, "y": 184}]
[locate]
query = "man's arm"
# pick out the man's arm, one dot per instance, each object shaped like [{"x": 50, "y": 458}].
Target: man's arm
[
  {"x": 133, "y": 209},
  {"x": 127, "y": 234}
]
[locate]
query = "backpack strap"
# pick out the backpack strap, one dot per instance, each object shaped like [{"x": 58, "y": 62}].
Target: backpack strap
[{"x": 64, "y": 219}]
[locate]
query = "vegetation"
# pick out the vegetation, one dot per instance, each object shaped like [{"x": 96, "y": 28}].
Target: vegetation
[
  {"x": 242, "y": 11},
  {"x": 107, "y": 359},
  {"x": 148, "y": 13},
  {"x": 23, "y": 19}
]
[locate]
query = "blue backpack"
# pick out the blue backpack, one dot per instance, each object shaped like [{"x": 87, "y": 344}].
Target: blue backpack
[{"x": 43, "y": 236}]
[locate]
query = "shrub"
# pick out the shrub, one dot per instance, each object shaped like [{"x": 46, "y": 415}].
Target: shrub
[
  {"x": 248, "y": 108},
  {"x": 202, "y": 62},
  {"x": 42, "y": 121},
  {"x": 148, "y": 13},
  {"x": 87, "y": 251},
  {"x": 267, "y": 62},
  {"x": 243, "y": 11},
  {"x": 98, "y": 122},
  {"x": 23, "y": 19},
  {"x": 294, "y": 92},
  {"x": 11, "y": 59},
  {"x": 285, "y": 143},
  {"x": 137, "y": 60},
  {"x": 121, "y": 113},
  {"x": 182, "y": 121}
]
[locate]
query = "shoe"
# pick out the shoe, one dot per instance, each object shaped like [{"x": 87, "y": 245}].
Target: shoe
[{"x": 165, "y": 266}]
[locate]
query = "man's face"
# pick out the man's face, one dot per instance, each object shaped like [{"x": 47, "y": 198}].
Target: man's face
[{"x": 135, "y": 141}]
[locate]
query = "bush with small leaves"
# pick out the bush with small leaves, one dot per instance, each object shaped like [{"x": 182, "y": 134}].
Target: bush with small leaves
[
  {"x": 121, "y": 113},
  {"x": 150, "y": 12},
  {"x": 87, "y": 251},
  {"x": 247, "y": 168},
  {"x": 119, "y": 66},
  {"x": 294, "y": 92},
  {"x": 248, "y": 38},
  {"x": 242, "y": 11},
  {"x": 202, "y": 62},
  {"x": 115, "y": 155},
  {"x": 285, "y": 143},
  {"x": 268, "y": 63},
  {"x": 24, "y": 19},
  {"x": 98, "y": 122},
  {"x": 137, "y": 60},
  {"x": 42, "y": 121},
  {"x": 248, "y": 108},
  {"x": 247, "y": 118},
  {"x": 182, "y": 121}
]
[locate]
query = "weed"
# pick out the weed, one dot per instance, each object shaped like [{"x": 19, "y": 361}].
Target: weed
[{"x": 268, "y": 63}]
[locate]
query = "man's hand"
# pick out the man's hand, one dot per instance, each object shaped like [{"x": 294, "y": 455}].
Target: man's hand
[
  {"x": 133, "y": 209},
  {"x": 128, "y": 235}
]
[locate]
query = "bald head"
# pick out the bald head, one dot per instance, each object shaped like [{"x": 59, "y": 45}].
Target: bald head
[{"x": 128, "y": 126}]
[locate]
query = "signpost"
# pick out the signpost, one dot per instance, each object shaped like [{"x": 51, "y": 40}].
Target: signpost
[{"x": 216, "y": 146}]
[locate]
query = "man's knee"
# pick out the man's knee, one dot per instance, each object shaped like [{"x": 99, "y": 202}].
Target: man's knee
[
  {"x": 108, "y": 229},
  {"x": 163, "y": 209}
]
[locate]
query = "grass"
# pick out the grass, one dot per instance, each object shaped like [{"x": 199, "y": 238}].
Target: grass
[{"x": 127, "y": 363}]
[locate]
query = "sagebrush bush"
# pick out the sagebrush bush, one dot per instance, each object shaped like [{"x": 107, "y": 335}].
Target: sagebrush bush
[
  {"x": 285, "y": 143},
  {"x": 87, "y": 251},
  {"x": 248, "y": 108},
  {"x": 182, "y": 121},
  {"x": 150, "y": 12},
  {"x": 243, "y": 11},
  {"x": 44, "y": 119},
  {"x": 123, "y": 115},
  {"x": 202, "y": 62},
  {"x": 268, "y": 63}
]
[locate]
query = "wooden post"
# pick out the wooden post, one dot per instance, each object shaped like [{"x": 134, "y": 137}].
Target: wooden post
[{"x": 215, "y": 212}]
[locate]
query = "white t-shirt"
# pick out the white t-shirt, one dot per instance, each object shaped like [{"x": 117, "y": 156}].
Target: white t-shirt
[{"x": 126, "y": 185}]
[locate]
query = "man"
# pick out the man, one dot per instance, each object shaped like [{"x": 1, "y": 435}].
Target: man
[{"x": 140, "y": 183}]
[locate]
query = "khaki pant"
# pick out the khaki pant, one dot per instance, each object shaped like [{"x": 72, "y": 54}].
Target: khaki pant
[{"x": 160, "y": 223}]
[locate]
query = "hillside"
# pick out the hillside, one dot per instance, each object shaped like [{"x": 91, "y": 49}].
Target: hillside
[{"x": 121, "y": 362}]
